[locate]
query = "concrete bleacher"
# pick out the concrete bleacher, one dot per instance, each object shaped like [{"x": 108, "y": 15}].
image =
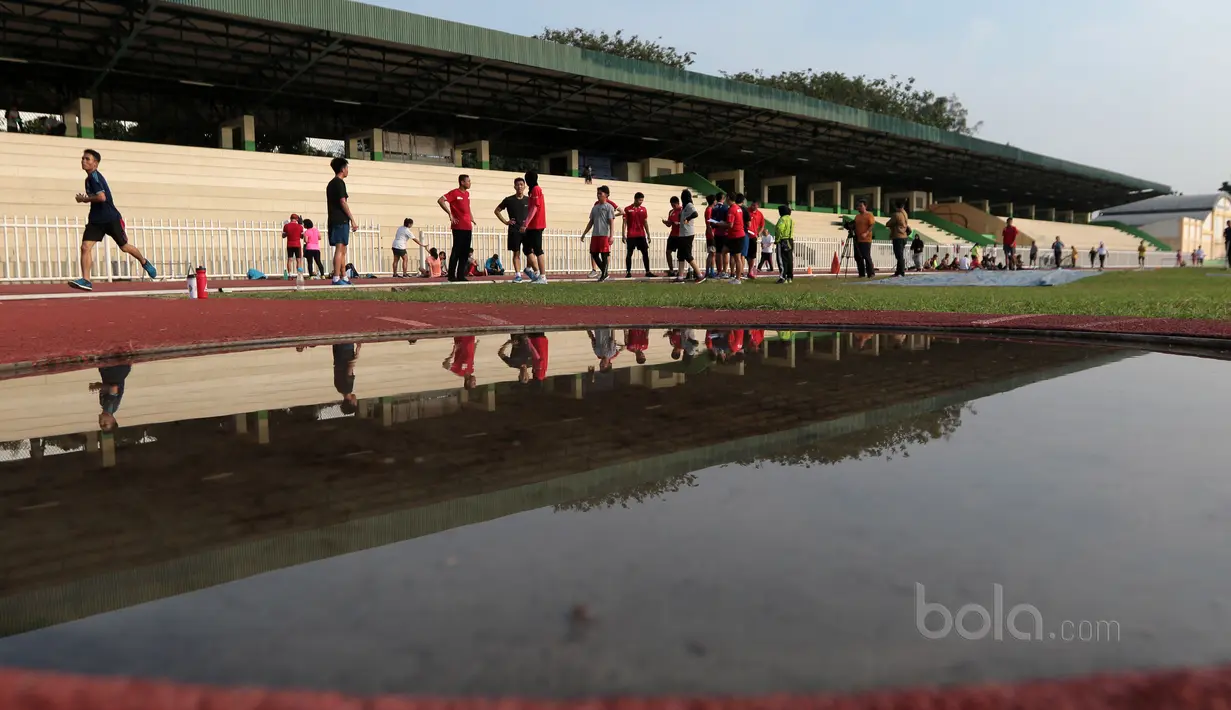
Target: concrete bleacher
[
  {"x": 153, "y": 181},
  {"x": 1082, "y": 236}
]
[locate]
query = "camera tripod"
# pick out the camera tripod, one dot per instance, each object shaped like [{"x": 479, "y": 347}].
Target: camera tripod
[{"x": 846, "y": 256}]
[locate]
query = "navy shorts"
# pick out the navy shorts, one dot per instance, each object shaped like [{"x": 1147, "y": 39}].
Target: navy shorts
[{"x": 339, "y": 235}]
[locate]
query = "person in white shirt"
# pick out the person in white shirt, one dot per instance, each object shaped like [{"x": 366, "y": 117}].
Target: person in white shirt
[
  {"x": 401, "y": 239},
  {"x": 1102, "y": 255},
  {"x": 767, "y": 252},
  {"x": 963, "y": 263}
]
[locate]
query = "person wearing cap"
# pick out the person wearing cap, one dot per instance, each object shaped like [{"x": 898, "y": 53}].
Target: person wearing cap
[{"x": 292, "y": 232}]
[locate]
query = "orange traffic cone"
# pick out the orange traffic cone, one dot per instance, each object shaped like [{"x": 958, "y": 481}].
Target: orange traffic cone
[{"x": 834, "y": 266}]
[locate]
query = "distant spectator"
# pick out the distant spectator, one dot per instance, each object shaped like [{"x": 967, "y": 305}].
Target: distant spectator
[
  {"x": 1093, "y": 256},
  {"x": 588, "y": 173},
  {"x": 1226, "y": 242},
  {"x": 1102, "y": 255},
  {"x": 312, "y": 248},
  {"x": 1009, "y": 237},
  {"x": 916, "y": 251},
  {"x": 1073, "y": 256},
  {"x": 472, "y": 265},
  {"x": 945, "y": 263},
  {"x": 1141, "y": 254},
  {"x": 1034, "y": 255},
  {"x": 292, "y": 232},
  {"x": 432, "y": 269},
  {"x": 1200, "y": 256},
  {"x": 401, "y": 240},
  {"x": 493, "y": 266},
  {"x": 1057, "y": 249}
]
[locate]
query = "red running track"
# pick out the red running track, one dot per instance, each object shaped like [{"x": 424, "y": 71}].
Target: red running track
[
  {"x": 71, "y": 331},
  {"x": 1176, "y": 690}
]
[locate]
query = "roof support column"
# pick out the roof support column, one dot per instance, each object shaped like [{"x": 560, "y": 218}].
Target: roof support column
[
  {"x": 246, "y": 125},
  {"x": 80, "y": 111},
  {"x": 1024, "y": 211},
  {"x": 1081, "y": 218},
  {"x": 735, "y": 177},
  {"x": 572, "y": 164},
  {"x": 1064, "y": 215},
  {"x": 1002, "y": 209},
  {"x": 787, "y": 181},
  {"x": 375, "y": 139},
  {"x": 482, "y": 150},
  {"x": 830, "y": 194},
  {"x": 981, "y": 205},
  {"x": 1045, "y": 213},
  {"x": 869, "y": 195}
]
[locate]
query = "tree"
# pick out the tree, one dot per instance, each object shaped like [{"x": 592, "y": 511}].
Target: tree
[
  {"x": 1226, "y": 187},
  {"x": 891, "y": 97},
  {"x": 628, "y": 47}
]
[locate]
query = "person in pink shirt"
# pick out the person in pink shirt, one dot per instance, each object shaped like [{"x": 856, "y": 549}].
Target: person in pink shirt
[{"x": 312, "y": 248}]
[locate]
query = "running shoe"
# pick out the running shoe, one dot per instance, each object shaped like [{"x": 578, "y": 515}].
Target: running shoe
[
  {"x": 542, "y": 280},
  {"x": 82, "y": 284},
  {"x": 341, "y": 282},
  {"x": 628, "y": 274},
  {"x": 651, "y": 275},
  {"x": 700, "y": 279},
  {"x": 734, "y": 282},
  {"x": 781, "y": 280},
  {"x": 602, "y": 278},
  {"x": 593, "y": 274},
  {"x": 529, "y": 272},
  {"x": 517, "y": 278},
  {"x": 149, "y": 269}
]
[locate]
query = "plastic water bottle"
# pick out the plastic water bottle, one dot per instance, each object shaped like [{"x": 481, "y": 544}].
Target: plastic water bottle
[
  {"x": 299, "y": 281},
  {"x": 192, "y": 285}
]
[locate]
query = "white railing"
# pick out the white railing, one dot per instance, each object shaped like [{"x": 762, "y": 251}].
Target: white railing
[
  {"x": 36, "y": 250},
  {"x": 46, "y": 249}
]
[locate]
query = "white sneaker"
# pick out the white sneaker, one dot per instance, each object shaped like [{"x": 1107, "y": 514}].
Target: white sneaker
[
  {"x": 541, "y": 280},
  {"x": 593, "y": 275},
  {"x": 735, "y": 282}
]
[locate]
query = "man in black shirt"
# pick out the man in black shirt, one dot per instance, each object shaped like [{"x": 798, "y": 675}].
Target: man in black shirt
[
  {"x": 517, "y": 206},
  {"x": 341, "y": 219}
]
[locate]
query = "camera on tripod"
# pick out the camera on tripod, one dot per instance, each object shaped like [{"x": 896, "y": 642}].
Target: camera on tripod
[{"x": 848, "y": 223}]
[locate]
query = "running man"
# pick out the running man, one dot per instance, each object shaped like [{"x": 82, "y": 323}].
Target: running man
[
  {"x": 602, "y": 219},
  {"x": 341, "y": 221},
  {"x": 516, "y": 206},
  {"x": 292, "y": 232},
  {"x": 104, "y": 221},
  {"x": 456, "y": 204},
  {"x": 110, "y": 391},
  {"x": 636, "y": 236},
  {"x": 536, "y": 222}
]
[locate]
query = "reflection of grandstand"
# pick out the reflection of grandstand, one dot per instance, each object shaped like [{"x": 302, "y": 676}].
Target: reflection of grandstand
[
  {"x": 239, "y": 73},
  {"x": 218, "y": 504}
]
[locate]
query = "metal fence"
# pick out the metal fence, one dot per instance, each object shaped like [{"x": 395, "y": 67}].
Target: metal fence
[
  {"x": 36, "y": 249},
  {"x": 46, "y": 249}
]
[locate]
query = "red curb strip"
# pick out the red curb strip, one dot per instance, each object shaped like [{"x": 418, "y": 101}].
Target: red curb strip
[{"x": 1171, "y": 690}]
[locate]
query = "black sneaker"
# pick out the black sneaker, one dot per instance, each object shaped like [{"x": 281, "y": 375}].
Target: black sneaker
[{"x": 652, "y": 275}]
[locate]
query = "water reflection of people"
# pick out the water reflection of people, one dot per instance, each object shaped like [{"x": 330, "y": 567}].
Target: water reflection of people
[
  {"x": 637, "y": 341},
  {"x": 602, "y": 340},
  {"x": 344, "y": 357},
  {"x": 461, "y": 360},
  {"x": 538, "y": 341},
  {"x": 110, "y": 392},
  {"x": 519, "y": 353}
]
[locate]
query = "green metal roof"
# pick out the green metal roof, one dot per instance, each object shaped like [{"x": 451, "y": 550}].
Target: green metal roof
[{"x": 345, "y": 17}]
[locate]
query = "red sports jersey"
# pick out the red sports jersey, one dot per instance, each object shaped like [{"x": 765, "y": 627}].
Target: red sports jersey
[
  {"x": 757, "y": 221},
  {"x": 637, "y": 340},
  {"x": 635, "y": 221},
  {"x": 459, "y": 208},
  {"x": 709, "y": 228},
  {"x": 294, "y": 234},
  {"x": 735, "y": 341},
  {"x": 674, "y": 219},
  {"x": 463, "y": 361},
  {"x": 539, "y": 207},
  {"x": 735, "y": 222}
]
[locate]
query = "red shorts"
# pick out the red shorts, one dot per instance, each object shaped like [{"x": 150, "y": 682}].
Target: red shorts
[{"x": 600, "y": 245}]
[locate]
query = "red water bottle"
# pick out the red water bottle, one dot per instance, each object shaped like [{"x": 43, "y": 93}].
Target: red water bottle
[{"x": 202, "y": 292}]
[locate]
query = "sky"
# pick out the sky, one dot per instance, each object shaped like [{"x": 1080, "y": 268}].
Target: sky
[{"x": 1141, "y": 87}]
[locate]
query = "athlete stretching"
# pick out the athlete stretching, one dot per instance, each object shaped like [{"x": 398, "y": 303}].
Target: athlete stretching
[{"x": 105, "y": 220}]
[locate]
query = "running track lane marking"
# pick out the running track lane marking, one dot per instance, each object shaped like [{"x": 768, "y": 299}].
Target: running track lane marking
[
  {"x": 411, "y": 323},
  {"x": 1003, "y": 319},
  {"x": 493, "y": 320}
]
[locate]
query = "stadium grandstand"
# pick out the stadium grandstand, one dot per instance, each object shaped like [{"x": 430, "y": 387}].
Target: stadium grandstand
[{"x": 217, "y": 97}]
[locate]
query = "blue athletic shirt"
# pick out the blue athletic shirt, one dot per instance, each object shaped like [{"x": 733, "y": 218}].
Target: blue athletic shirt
[{"x": 101, "y": 212}]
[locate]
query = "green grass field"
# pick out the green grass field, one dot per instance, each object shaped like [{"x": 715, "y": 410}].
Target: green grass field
[{"x": 1170, "y": 293}]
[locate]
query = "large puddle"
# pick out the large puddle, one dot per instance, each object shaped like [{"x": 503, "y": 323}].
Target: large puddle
[{"x": 721, "y": 513}]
